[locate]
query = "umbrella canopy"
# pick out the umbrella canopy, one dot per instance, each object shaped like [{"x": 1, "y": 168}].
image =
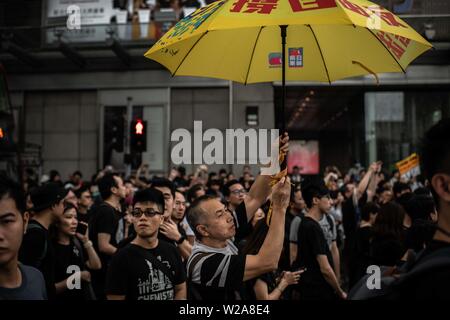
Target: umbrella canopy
[
  {"x": 251, "y": 41},
  {"x": 326, "y": 40}
]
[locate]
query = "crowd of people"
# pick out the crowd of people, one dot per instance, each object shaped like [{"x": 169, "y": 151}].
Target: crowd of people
[{"x": 214, "y": 236}]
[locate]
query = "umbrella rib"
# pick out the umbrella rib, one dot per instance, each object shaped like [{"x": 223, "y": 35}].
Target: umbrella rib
[
  {"x": 184, "y": 58},
  {"x": 370, "y": 31},
  {"x": 321, "y": 54},
  {"x": 251, "y": 57}
]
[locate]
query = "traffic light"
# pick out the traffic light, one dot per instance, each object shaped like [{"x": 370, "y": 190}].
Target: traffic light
[
  {"x": 138, "y": 136},
  {"x": 6, "y": 132},
  {"x": 117, "y": 129}
]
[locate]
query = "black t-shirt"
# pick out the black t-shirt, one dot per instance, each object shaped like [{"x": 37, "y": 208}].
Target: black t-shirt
[
  {"x": 360, "y": 254},
  {"x": 386, "y": 250},
  {"x": 37, "y": 251},
  {"x": 105, "y": 219},
  {"x": 215, "y": 274},
  {"x": 136, "y": 275},
  {"x": 243, "y": 226},
  {"x": 432, "y": 285},
  {"x": 284, "y": 263},
  {"x": 270, "y": 279},
  {"x": 68, "y": 255},
  {"x": 349, "y": 220},
  {"x": 312, "y": 243}
]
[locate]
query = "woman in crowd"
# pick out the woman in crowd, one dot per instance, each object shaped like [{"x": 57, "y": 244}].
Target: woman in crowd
[{"x": 74, "y": 254}]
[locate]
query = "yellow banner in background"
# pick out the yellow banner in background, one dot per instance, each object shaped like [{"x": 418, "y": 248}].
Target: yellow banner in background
[{"x": 409, "y": 167}]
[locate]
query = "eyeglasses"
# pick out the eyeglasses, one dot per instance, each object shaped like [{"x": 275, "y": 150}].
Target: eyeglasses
[
  {"x": 149, "y": 213},
  {"x": 238, "y": 192}
]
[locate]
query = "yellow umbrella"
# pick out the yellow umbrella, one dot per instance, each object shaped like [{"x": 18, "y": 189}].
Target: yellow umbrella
[{"x": 326, "y": 40}]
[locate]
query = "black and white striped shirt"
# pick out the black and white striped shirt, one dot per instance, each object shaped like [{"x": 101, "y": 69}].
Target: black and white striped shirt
[{"x": 215, "y": 273}]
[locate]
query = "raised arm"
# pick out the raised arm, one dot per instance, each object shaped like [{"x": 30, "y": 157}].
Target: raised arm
[
  {"x": 362, "y": 187},
  {"x": 267, "y": 258}
]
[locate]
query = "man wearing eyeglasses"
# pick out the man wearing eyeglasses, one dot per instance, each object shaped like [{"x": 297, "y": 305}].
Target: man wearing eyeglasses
[{"x": 147, "y": 268}]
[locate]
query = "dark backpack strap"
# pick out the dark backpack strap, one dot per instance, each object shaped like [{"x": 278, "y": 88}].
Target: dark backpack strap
[
  {"x": 148, "y": 256},
  {"x": 41, "y": 258},
  {"x": 330, "y": 222}
]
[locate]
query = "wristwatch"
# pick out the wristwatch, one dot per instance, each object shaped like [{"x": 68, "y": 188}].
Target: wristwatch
[{"x": 180, "y": 241}]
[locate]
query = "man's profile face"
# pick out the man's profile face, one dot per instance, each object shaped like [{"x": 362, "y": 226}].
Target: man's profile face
[
  {"x": 324, "y": 204},
  {"x": 218, "y": 221},
  {"x": 86, "y": 199},
  {"x": 120, "y": 191},
  {"x": 12, "y": 227}
]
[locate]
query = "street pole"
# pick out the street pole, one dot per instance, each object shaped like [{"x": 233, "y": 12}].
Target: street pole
[
  {"x": 283, "y": 76},
  {"x": 127, "y": 126}
]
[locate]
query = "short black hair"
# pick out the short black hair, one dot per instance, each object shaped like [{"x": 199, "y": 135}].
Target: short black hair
[
  {"x": 191, "y": 193},
  {"x": 369, "y": 208},
  {"x": 69, "y": 206},
  {"x": 78, "y": 173},
  {"x": 150, "y": 195},
  {"x": 164, "y": 183},
  {"x": 53, "y": 174},
  {"x": 435, "y": 152},
  {"x": 182, "y": 193},
  {"x": 195, "y": 213},
  {"x": 226, "y": 187},
  {"x": 399, "y": 187},
  {"x": 181, "y": 170},
  {"x": 105, "y": 184},
  {"x": 419, "y": 207},
  {"x": 314, "y": 189},
  {"x": 82, "y": 189},
  {"x": 423, "y": 191},
  {"x": 11, "y": 189}
]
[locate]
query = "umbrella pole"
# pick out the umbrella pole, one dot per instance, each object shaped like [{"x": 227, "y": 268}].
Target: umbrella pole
[{"x": 283, "y": 76}]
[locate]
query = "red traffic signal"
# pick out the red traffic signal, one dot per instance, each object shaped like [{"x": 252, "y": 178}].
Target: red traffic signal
[
  {"x": 139, "y": 127},
  {"x": 138, "y": 139}
]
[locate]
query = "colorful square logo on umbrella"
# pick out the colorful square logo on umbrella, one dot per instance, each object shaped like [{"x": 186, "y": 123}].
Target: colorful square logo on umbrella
[
  {"x": 275, "y": 60},
  {"x": 295, "y": 57}
]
